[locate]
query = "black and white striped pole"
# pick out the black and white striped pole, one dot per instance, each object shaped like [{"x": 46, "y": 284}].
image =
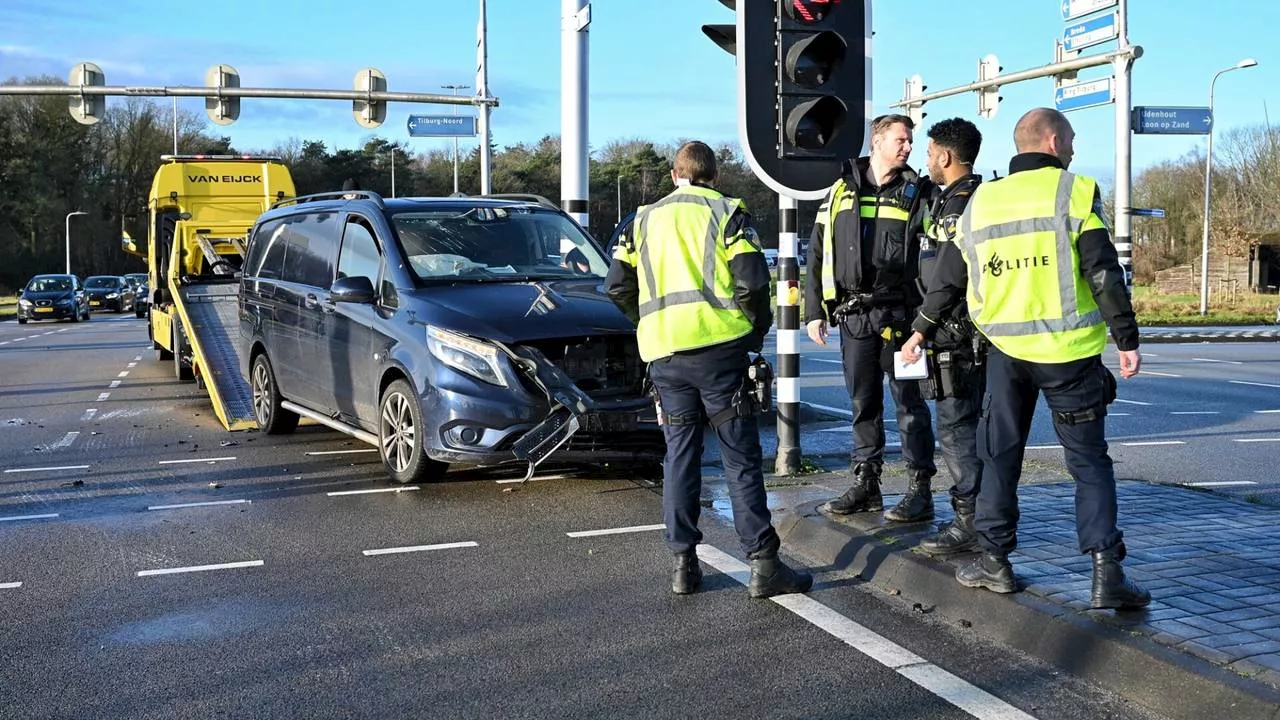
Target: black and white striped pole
[{"x": 787, "y": 461}]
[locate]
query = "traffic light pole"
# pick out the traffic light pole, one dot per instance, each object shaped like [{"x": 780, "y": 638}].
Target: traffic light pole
[
  {"x": 787, "y": 461},
  {"x": 575, "y": 17}
]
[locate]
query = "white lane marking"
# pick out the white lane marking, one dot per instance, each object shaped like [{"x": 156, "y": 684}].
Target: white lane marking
[
  {"x": 1118, "y": 414},
  {"x": 123, "y": 373},
  {"x": 88, "y": 414},
  {"x": 1194, "y": 412},
  {"x": 509, "y": 481},
  {"x": 1044, "y": 447},
  {"x": 1243, "y": 382},
  {"x": 828, "y": 408},
  {"x": 10, "y": 585},
  {"x": 6, "y": 342},
  {"x": 197, "y": 504},
  {"x": 836, "y": 362},
  {"x": 958, "y": 692},
  {"x": 1255, "y": 440},
  {"x": 1221, "y": 483},
  {"x": 103, "y": 396},
  {"x": 201, "y": 568},
  {"x": 1149, "y": 355},
  {"x": 47, "y": 469},
  {"x": 1229, "y": 362},
  {"x": 137, "y": 359},
  {"x": 421, "y": 548},
  {"x": 66, "y": 440},
  {"x": 1153, "y": 442},
  {"x": 29, "y": 517},
  {"x": 1266, "y": 412},
  {"x": 1131, "y": 402},
  {"x": 19, "y": 339},
  {"x": 196, "y": 460},
  {"x": 340, "y": 452},
  {"x": 1159, "y": 374},
  {"x": 375, "y": 490},
  {"x": 114, "y": 384},
  {"x": 615, "y": 531}
]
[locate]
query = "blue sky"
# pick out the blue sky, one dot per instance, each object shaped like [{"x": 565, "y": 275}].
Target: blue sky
[{"x": 653, "y": 73}]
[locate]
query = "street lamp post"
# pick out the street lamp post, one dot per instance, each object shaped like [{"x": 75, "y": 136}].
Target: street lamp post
[
  {"x": 1208, "y": 176},
  {"x": 455, "y": 89},
  {"x": 68, "y": 236}
]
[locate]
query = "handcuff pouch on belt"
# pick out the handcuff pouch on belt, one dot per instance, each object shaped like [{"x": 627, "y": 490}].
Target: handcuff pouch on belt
[
  {"x": 753, "y": 396},
  {"x": 957, "y": 354}
]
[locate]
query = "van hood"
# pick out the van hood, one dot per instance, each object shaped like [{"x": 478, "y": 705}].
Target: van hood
[{"x": 524, "y": 311}]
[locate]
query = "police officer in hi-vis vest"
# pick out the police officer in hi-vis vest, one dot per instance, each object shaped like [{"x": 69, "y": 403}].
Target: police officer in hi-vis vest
[
  {"x": 1044, "y": 283},
  {"x": 959, "y": 350},
  {"x": 691, "y": 275},
  {"x": 861, "y": 277}
]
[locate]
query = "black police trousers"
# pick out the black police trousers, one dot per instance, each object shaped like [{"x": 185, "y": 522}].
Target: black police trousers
[
  {"x": 864, "y": 378},
  {"x": 958, "y": 433},
  {"x": 693, "y": 386},
  {"x": 1013, "y": 388}
]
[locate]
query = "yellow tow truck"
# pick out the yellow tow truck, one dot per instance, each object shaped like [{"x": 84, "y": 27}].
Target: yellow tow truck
[{"x": 201, "y": 209}]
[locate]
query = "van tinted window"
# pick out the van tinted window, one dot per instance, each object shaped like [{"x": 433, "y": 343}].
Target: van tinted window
[
  {"x": 313, "y": 243},
  {"x": 267, "y": 251},
  {"x": 359, "y": 256}
]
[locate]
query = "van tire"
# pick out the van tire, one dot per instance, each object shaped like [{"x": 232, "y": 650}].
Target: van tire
[
  {"x": 402, "y": 437},
  {"x": 272, "y": 419}
]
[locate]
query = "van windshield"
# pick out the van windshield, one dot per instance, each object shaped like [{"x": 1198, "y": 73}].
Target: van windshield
[{"x": 496, "y": 244}]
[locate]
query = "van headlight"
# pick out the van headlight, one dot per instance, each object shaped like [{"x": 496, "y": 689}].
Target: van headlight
[{"x": 475, "y": 358}]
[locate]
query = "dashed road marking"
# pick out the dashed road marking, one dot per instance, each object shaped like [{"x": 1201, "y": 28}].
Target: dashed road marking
[
  {"x": 196, "y": 460},
  {"x": 1153, "y": 442},
  {"x": 66, "y": 440},
  {"x": 103, "y": 396},
  {"x": 10, "y": 585},
  {"x": 47, "y": 516},
  {"x": 615, "y": 531},
  {"x": 88, "y": 414},
  {"x": 47, "y": 469},
  {"x": 953, "y": 689},
  {"x": 1194, "y": 412},
  {"x": 1044, "y": 447},
  {"x": 828, "y": 408},
  {"x": 123, "y": 373},
  {"x": 114, "y": 384},
  {"x": 1212, "y": 360},
  {"x": 340, "y": 452},
  {"x": 1159, "y": 374},
  {"x": 1266, "y": 412},
  {"x": 132, "y": 365},
  {"x": 198, "y": 504},
  {"x": 374, "y": 490},
  {"x": 421, "y": 548},
  {"x": 1255, "y": 384},
  {"x": 1252, "y": 440},
  {"x": 201, "y": 568},
  {"x": 1221, "y": 483},
  {"x": 1131, "y": 402}
]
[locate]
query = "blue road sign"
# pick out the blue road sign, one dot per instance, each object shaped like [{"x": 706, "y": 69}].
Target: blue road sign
[
  {"x": 1172, "y": 120},
  {"x": 1091, "y": 32},
  {"x": 1072, "y": 9},
  {"x": 1147, "y": 212},
  {"x": 1084, "y": 94},
  {"x": 442, "y": 126}
]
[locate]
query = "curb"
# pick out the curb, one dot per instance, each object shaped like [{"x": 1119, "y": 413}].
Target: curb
[{"x": 1093, "y": 646}]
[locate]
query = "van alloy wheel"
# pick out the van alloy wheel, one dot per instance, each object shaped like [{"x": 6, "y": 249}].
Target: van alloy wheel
[
  {"x": 272, "y": 419},
  {"x": 401, "y": 440}
]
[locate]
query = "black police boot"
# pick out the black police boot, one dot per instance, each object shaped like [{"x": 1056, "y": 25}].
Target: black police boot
[
  {"x": 1111, "y": 589},
  {"x": 686, "y": 573},
  {"x": 917, "y": 504},
  {"x": 992, "y": 572},
  {"x": 864, "y": 496},
  {"x": 957, "y": 537},
  {"x": 770, "y": 576}
]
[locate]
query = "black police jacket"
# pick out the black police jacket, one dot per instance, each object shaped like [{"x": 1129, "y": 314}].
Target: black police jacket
[
  {"x": 937, "y": 248},
  {"x": 878, "y": 256}
]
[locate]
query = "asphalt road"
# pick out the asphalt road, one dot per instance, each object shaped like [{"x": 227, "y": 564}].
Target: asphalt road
[
  {"x": 153, "y": 565},
  {"x": 1200, "y": 414}
]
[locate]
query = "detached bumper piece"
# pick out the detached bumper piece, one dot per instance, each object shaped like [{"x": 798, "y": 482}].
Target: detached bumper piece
[{"x": 570, "y": 407}]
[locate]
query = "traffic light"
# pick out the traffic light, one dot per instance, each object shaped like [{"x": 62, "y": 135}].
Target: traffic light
[
  {"x": 915, "y": 109},
  {"x": 222, "y": 110},
  {"x": 725, "y": 36},
  {"x": 803, "y": 88},
  {"x": 988, "y": 98},
  {"x": 370, "y": 113},
  {"x": 87, "y": 109}
]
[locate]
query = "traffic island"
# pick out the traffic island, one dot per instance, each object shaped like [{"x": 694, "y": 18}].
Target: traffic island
[{"x": 1208, "y": 646}]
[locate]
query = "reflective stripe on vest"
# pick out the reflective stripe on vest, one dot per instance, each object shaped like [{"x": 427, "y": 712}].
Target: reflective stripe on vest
[
  {"x": 686, "y": 294},
  {"x": 1026, "y": 292},
  {"x": 842, "y": 198}
]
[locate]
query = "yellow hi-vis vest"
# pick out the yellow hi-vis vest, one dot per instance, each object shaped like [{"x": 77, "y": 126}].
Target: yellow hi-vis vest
[
  {"x": 681, "y": 257},
  {"x": 844, "y": 197},
  {"x": 1026, "y": 292}
]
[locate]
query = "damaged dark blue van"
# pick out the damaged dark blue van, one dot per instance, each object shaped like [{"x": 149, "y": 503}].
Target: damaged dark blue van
[{"x": 460, "y": 331}]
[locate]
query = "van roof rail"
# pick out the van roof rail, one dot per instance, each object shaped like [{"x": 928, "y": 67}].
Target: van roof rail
[
  {"x": 202, "y": 158},
  {"x": 334, "y": 195},
  {"x": 526, "y": 197}
]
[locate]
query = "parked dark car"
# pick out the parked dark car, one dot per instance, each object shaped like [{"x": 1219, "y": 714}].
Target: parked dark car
[
  {"x": 53, "y": 297},
  {"x": 109, "y": 292},
  {"x": 463, "y": 331}
]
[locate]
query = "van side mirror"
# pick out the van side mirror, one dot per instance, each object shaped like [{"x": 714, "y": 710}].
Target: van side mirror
[{"x": 357, "y": 290}]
